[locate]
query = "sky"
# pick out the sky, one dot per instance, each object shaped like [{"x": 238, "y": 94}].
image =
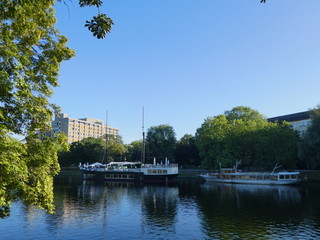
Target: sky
[{"x": 186, "y": 60}]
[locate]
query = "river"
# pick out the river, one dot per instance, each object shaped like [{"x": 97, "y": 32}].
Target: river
[{"x": 185, "y": 210}]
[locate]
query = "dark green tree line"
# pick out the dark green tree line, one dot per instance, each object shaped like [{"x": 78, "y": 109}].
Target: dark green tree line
[
  {"x": 90, "y": 150},
  {"x": 310, "y": 143},
  {"x": 186, "y": 152}
]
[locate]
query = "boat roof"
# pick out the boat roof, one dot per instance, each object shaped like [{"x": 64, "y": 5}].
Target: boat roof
[
  {"x": 123, "y": 163},
  {"x": 97, "y": 164},
  {"x": 263, "y": 173}
]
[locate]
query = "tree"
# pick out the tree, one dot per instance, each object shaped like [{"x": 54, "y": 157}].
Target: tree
[
  {"x": 310, "y": 144},
  {"x": 116, "y": 149},
  {"x": 186, "y": 152},
  {"x": 247, "y": 137},
  {"x": 134, "y": 151},
  {"x": 31, "y": 51},
  {"x": 213, "y": 142},
  {"x": 243, "y": 113},
  {"x": 160, "y": 142},
  {"x": 88, "y": 150}
]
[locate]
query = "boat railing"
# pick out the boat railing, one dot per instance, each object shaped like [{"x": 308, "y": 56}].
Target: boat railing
[{"x": 159, "y": 165}]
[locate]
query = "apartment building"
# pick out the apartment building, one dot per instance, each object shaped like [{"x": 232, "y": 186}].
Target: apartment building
[
  {"x": 299, "y": 121},
  {"x": 78, "y": 129}
]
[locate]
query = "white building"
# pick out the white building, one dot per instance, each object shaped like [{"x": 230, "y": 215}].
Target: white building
[
  {"x": 78, "y": 129},
  {"x": 299, "y": 121}
]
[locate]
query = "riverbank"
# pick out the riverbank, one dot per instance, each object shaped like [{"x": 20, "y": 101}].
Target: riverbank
[{"x": 307, "y": 175}]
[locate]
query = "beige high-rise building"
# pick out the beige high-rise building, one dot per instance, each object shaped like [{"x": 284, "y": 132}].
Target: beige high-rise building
[{"x": 78, "y": 129}]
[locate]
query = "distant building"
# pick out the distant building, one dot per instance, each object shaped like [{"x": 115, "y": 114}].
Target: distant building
[
  {"x": 299, "y": 121},
  {"x": 78, "y": 129}
]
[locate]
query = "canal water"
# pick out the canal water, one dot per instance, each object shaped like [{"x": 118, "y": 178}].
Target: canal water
[{"x": 185, "y": 210}]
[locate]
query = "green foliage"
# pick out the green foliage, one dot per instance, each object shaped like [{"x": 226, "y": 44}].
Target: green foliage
[
  {"x": 310, "y": 144},
  {"x": 27, "y": 170},
  {"x": 243, "y": 113},
  {"x": 116, "y": 149},
  {"x": 186, "y": 152},
  {"x": 84, "y": 3},
  {"x": 160, "y": 142},
  {"x": 88, "y": 150},
  {"x": 133, "y": 152},
  {"x": 100, "y": 25},
  {"x": 249, "y": 137},
  {"x": 31, "y": 51}
]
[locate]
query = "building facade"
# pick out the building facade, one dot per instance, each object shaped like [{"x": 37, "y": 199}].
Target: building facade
[
  {"x": 299, "y": 121},
  {"x": 78, "y": 129}
]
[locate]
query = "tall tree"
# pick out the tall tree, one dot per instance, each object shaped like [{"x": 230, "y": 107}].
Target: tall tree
[
  {"x": 160, "y": 142},
  {"x": 31, "y": 51},
  {"x": 249, "y": 137}
]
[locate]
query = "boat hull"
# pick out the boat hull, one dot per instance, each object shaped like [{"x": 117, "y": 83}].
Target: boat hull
[
  {"x": 244, "y": 181},
  {"x": 120, "y": 176}
]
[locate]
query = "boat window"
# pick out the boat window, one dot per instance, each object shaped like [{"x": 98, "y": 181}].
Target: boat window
[
  {"x": 281, "y": 176},
  {"x": 287, "y": 176}
]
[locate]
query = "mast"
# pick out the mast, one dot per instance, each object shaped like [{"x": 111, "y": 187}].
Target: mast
[
  {"x": 143, "y": 152},
  {"x": 107, "y": 142}
]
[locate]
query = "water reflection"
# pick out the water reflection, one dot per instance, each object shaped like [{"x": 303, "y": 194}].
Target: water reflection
[
  {"x": 159, "y": 208},
  {"x": 187, "y": 210},
  {"x": 237, "y": 211},
  {"x": 118, "y": 207}
]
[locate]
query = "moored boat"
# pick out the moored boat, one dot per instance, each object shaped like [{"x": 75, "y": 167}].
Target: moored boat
[
  {"x": 231, "y": 175},
  {"x": 130, "y": 172}
]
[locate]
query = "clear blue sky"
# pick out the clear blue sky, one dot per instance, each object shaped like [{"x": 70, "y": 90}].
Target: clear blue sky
[{"x": 186, "y": 60}]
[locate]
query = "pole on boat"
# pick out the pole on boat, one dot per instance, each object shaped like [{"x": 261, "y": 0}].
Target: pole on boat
[
  {"x": 143, "y": 152},
  {"x": 276, "y": 167},
  {"x": 107, "y": 142}
]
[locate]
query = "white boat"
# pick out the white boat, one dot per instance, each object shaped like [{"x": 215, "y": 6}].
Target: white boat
[
  {"x": 231, "y": 175},
  {"x": 130, "y": 171}
]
